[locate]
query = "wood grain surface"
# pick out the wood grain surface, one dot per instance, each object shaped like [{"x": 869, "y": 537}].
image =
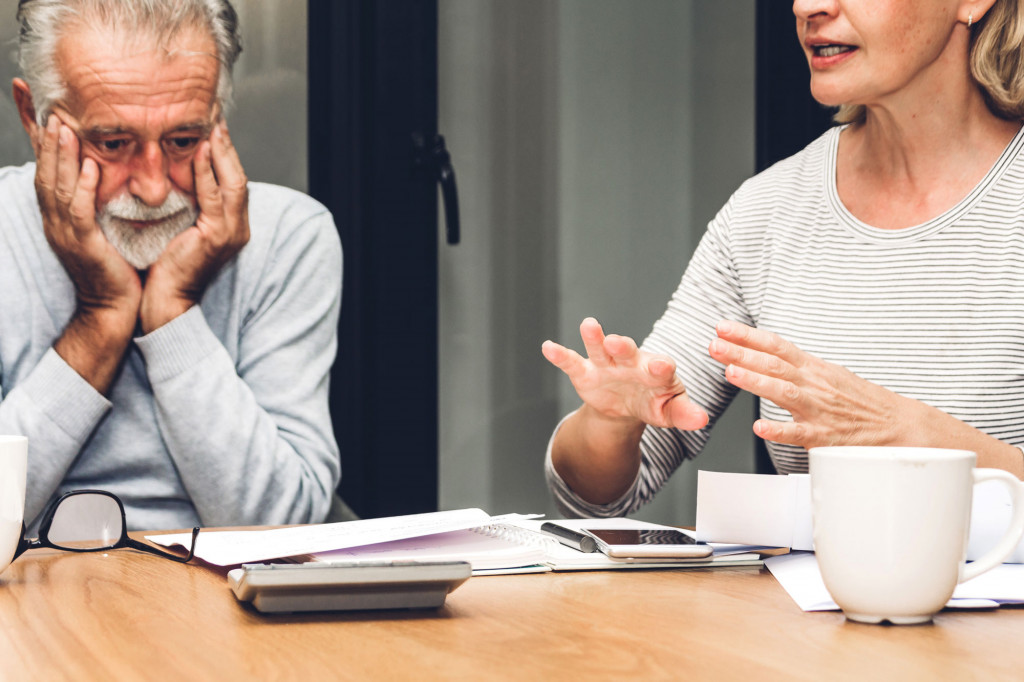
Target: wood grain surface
[{"x": 127, "y": 615}]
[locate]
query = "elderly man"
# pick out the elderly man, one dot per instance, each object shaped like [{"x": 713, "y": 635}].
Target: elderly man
[{"x": 166, "y": 328}]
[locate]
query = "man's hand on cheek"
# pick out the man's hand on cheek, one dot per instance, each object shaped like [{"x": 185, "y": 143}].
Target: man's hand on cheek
[
  {"x": 177, "y": 280},
  {"x": 66, "y": 190}
]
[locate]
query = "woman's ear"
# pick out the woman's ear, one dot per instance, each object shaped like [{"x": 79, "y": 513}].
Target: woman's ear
[
  {"x": 974, "y": 10},
  {"x": 26, "y": 111}
]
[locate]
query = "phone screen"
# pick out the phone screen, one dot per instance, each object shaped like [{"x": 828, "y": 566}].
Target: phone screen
[{"x": 642, "y": 537}]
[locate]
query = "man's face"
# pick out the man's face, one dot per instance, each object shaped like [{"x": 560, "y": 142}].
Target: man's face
[{"x": 140, "y": 111}]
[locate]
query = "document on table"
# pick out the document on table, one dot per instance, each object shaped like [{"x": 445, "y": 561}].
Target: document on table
[
  {"x": 755, "y": 509},
  {"x": 230, "y": 548},
  {"x": 520, "y": 546},
  {"x": 799, "y": 575}
]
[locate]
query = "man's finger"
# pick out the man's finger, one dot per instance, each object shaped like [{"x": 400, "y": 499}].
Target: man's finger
[
  {"x": 207, "y": 191},
  {"x": 83, "y": 203},
  {"x": 46, "y": 165},
  {"x": 227, "y": 166},
  {"x": 67, "y": 170}
]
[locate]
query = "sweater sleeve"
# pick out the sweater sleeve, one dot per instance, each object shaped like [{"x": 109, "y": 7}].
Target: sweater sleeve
[
  {"x": 252, "y": 438},
  {"x": 710, "y": 291},
  {"x": 57, "y": 410}
]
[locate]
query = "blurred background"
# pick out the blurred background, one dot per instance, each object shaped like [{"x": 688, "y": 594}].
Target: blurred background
[{"x": 592, "y": 141}]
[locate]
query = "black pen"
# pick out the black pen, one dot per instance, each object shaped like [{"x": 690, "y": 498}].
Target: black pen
[{"x": 570, "y": 538}]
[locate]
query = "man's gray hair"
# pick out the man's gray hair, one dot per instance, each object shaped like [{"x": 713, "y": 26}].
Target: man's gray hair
[{"x": 43, "y": 23}]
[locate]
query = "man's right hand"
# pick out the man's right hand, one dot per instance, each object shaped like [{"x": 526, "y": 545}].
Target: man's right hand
[
  {"x": 621, "y": 382},
  {"x": 108, "y": 290}
]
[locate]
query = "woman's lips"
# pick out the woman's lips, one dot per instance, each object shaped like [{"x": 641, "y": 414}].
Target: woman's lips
[{"x": 824, "y": 55}]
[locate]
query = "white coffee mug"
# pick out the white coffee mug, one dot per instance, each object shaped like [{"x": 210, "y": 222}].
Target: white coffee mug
[
  {"x": 891, "y": 526},
  {"x": 13, "y": 465}
]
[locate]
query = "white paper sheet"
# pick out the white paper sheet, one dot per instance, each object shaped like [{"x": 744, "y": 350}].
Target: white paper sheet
[
  {"x": 230, "y": 548},
  {"x": 754, "y": 509},
  {"x": 799, "y": 575}
]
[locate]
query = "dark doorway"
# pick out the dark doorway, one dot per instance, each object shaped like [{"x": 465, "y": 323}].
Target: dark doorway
[{"x": 372, "y": 91}]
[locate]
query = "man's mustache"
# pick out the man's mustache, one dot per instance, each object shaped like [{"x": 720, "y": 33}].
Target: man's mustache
[{"x": 127, "y": 207}]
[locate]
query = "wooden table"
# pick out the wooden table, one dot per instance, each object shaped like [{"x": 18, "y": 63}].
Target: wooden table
[{"x": 126, "y": 615}]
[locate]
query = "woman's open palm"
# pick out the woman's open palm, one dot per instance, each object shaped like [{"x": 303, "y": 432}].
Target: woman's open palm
[{"x": 620, "y": 381}]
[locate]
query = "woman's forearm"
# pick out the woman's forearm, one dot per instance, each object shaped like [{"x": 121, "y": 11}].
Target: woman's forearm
[
  {"x": 936, "y": 428},
  {"x": 598, "y": 457}
]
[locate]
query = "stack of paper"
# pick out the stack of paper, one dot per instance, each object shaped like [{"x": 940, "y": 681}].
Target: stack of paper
[
  {"x": 512, "y": 543},
  {"x": 231, "y": 548}
]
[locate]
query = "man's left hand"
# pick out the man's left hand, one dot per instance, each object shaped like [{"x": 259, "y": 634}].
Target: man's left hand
[{"x": 177, "y": 280}]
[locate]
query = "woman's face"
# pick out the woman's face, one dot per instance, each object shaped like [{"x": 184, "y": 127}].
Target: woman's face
[{"x": 872, "y": 51}]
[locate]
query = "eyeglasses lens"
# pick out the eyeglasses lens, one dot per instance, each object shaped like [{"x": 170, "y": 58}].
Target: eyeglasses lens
[{"x": 86, "y": 521}]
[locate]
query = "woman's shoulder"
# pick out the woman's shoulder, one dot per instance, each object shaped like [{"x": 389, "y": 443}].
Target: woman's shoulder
[{"x": 803, "y": 173}]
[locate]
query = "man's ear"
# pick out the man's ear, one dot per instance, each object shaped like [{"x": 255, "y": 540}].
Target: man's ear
[{"x": 26, "y": 111}]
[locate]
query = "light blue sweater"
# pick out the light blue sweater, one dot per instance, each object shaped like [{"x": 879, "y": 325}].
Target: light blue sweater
[{"x": 217, "y": 418}]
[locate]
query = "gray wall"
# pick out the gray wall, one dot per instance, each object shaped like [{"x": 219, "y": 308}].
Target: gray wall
[
  {"x": 14, "y": 146},
  {"x": 593, "y": 140}
]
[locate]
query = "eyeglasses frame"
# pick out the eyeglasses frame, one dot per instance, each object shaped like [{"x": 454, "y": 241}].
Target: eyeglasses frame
[{"x": 124, "y": 541}]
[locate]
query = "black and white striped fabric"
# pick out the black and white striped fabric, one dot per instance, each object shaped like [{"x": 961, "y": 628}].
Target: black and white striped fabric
[{"x": 934, "y": 312}]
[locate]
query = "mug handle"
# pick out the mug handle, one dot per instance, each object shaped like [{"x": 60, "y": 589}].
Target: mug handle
[{"x": 997, "y": 554}]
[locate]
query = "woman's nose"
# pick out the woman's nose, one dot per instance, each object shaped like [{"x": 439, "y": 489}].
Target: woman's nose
[{"x": 805, "y": 10}]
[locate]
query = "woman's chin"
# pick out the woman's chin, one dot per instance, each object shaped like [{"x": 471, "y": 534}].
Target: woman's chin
[{"x": 828, "y": 98}]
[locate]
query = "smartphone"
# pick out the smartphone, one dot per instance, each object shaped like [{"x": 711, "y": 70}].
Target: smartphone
[{"x": 648, "y": 542}]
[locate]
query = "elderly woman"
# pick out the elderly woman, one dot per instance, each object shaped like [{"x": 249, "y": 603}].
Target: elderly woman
[{"x": 870, "y": 289}]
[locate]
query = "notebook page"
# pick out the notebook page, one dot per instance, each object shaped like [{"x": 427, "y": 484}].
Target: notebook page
[{"x": 483, "y": 550}]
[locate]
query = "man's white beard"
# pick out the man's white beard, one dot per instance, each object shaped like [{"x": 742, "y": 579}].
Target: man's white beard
[{"x": 142, "y": 246}]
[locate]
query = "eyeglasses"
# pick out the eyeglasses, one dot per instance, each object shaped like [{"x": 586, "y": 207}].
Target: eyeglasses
[{"x": 90, "y": 521}]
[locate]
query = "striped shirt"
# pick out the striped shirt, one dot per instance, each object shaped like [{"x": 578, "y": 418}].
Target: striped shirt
[{"x": 934, "y": 312}]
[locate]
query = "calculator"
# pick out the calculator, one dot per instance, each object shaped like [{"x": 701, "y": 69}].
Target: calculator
[{"x": 347, "y": 586}]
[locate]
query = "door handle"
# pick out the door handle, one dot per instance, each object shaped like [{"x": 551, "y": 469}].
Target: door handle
[{"x": 431, "y": 154}]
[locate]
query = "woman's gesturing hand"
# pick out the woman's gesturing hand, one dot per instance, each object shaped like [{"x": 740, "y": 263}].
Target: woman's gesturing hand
[
  {"x": 830, "y": 404},
  {"x": 622, "y": 382}
]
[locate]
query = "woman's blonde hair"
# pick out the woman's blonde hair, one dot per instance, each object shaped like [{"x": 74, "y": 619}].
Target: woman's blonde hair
[{"x": 996, "y": 59}]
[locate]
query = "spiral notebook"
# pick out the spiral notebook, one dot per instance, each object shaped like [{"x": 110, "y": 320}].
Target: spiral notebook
[{"x": 506, "y": 548}]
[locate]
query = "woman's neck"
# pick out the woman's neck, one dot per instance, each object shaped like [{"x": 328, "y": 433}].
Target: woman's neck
[{"x": 904, "y": 165}]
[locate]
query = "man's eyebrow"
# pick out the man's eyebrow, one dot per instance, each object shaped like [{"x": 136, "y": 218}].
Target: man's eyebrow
[{"x": 201, "y": 128}]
